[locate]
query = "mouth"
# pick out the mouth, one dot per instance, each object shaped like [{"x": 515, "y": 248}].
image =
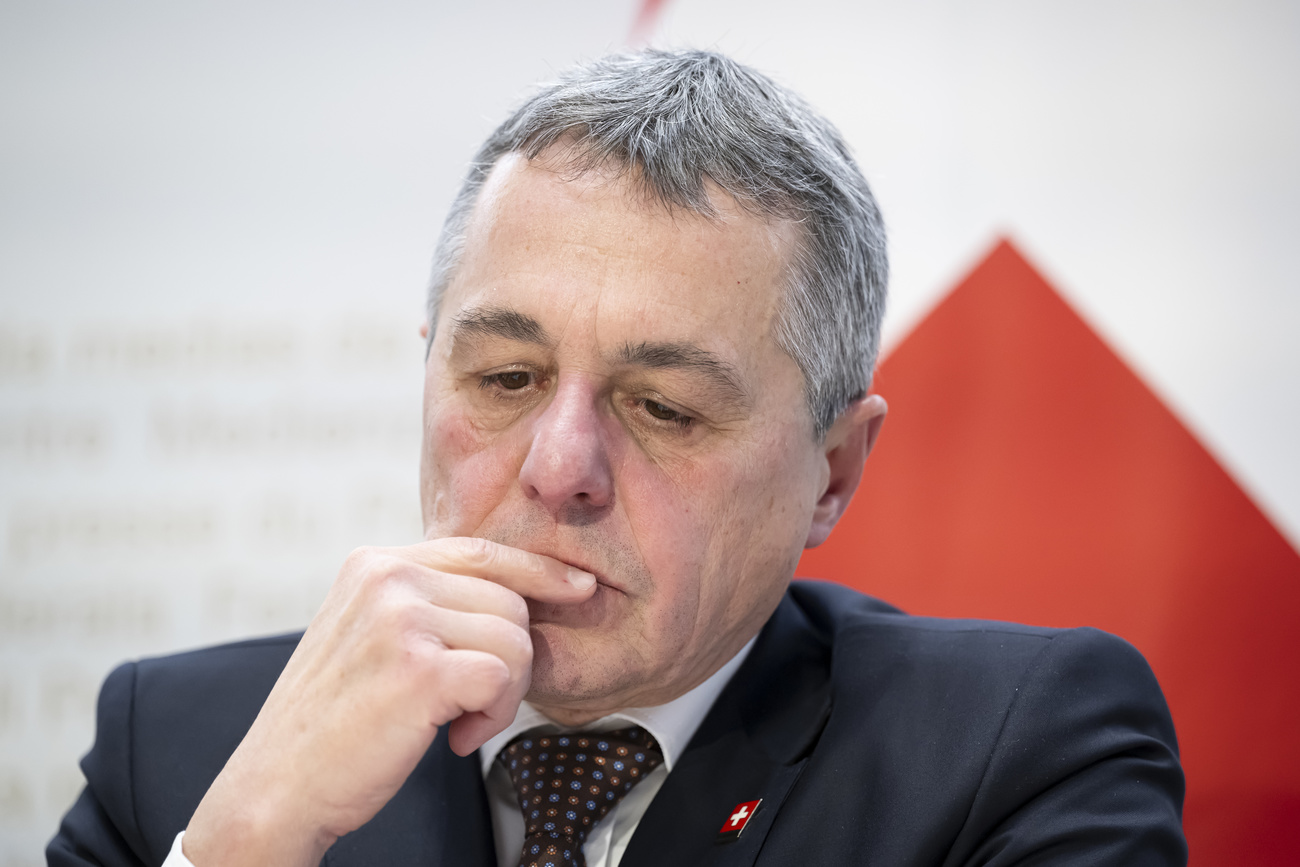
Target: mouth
[
  {"x": 603, "y": 581},
  {"x": 597, "y": 610}
]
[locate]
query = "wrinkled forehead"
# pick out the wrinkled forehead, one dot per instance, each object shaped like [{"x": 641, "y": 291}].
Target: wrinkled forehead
[{"x": 566, "y": 233}]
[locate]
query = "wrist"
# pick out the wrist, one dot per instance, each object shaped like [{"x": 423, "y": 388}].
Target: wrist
[{"x": 248, "y": 831}]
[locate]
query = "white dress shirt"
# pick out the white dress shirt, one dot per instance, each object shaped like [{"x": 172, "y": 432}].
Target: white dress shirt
[{"x": 672, "y": 725}]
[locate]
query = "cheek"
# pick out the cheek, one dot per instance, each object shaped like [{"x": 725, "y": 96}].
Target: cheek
[
  {"x": 467, "y": 473},
  {"x": 701, "y": 528},
  {"x": 666, "y": 508},
  {"x": 758, "y": 523}
]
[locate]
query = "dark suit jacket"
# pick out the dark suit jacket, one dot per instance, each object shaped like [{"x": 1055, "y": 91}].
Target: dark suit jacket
[{"x": 873, "y": 737}]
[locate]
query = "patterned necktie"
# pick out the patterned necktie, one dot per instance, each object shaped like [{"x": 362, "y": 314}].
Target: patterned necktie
[{"x": 566, "y": 783}]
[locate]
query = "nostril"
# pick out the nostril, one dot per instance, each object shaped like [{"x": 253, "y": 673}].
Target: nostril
[{"x": 580, "y": 483}]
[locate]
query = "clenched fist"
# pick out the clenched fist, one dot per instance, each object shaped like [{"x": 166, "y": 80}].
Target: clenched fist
[{"x": 407, "y": 640}]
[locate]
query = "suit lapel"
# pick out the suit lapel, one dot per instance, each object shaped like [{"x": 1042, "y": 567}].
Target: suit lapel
[
  {"x": 439, "y": 817},
  {"x": 753, "y": 744}
]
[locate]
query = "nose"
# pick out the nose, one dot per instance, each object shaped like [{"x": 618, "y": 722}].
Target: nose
[{"x": 567, "y": 464}]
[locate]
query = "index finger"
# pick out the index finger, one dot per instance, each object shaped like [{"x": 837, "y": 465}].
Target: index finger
[{"x": 534, "y": 576}]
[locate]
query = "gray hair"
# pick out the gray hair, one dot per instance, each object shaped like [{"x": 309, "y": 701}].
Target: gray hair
[{"x": 683, "y": 118}]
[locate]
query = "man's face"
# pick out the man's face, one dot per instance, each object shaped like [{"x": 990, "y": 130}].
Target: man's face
[{"x": 605, "y": 388}]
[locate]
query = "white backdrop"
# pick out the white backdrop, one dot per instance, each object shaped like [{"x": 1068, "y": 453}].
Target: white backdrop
[{"x": 216, "y": 222}]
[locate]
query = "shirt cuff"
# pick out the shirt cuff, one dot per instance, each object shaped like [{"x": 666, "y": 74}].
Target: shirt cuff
[{"x": 176, "y": 858}]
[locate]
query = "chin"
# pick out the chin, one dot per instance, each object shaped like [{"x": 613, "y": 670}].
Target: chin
[{"x": 574, "y": 668}]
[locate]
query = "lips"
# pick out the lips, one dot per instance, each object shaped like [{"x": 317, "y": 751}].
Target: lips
[
  {"x": 598, "y": 551},
  {"x": 598, "y": 609},
  {"x": 602, "y": 580}
]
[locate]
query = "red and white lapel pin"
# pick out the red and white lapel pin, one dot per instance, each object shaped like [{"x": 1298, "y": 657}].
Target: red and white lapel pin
[{"x": 737, "y": 819}]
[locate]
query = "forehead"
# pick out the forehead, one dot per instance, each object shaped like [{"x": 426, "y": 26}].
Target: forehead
[{"x": 596, "y": 249}]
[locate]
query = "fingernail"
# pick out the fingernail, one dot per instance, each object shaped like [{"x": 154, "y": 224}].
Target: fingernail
[{"x": 581, "y": 580}]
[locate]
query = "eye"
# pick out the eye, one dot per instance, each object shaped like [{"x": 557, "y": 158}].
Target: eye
[
  {"x": 666, "y": 413},
  {"x": 510, "y": 380}
]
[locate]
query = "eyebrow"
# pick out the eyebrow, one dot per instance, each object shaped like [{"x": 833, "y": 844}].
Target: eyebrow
[
  {"x": 686, "y": 357},
  {"x": 499, "y": 322},
  {"x": 503, "y": 322}
]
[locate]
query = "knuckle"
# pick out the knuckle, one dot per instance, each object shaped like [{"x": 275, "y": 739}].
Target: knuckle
[
  {"x": 358, "y": 558},
  {"x": 485, "y": 678},
  {"x": 516, "y": 646},
  {"x": 496, "y": 596},
  {"x": 403, "y": 621},
  {"x": 516, "y": 611},
  {"x": 469, "y": 681},
  {"x": 460, "y": 672},
  {"x": 478, "y": 551},
  {"x": 383, "y": 570}
]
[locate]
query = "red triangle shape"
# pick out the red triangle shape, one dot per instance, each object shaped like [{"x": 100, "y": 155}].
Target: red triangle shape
[{"x": 1025, "y": 473}]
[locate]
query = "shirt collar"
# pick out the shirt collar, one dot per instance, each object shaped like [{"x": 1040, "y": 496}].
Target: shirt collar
[{"x": 672, "y": 725}]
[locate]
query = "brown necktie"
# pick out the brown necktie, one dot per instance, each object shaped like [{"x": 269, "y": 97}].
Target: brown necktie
[{"x": 566, "y": 783}]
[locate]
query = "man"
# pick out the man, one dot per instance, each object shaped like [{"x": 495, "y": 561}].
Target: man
[{"x": 652, "y": 323}]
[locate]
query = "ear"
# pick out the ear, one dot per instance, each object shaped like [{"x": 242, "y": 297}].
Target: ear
[
  {"x": 848, "y": 443},
  {"x": 424, "y": 330}
]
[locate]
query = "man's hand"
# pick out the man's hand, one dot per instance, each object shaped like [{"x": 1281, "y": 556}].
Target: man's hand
[{"x": 407, "y": 640}]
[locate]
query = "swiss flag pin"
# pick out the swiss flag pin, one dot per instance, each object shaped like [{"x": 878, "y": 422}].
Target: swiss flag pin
[{"x": 738, "y": 819}]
